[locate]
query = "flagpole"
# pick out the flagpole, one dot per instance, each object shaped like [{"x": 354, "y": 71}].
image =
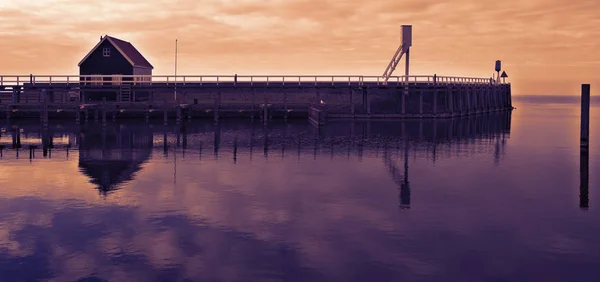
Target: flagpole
[{"x": 175, "y": 70}]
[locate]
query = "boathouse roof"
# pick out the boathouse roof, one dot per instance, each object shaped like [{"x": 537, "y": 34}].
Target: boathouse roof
[{"x": 126, "y": 49}]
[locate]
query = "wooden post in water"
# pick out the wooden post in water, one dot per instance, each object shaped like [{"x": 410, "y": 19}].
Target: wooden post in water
[
  {"x": 266, "y": 111},
  {"x": 43, "y": 108},
  {"x": 41, "y": 101},
  {"x": 368, "y": 100},
  {"x": 421, "y": 101},
  {"x": 459, "y": 99},
  {"x": 104, "y": 111},
  {"x": 217, "y": 106},
  {"x": 165, "y": 116},
  {"x": 450, "y": 99},
  {"x": 77, "y": 115},
  {"x": 45, "y": 118},
  {"x": 285, "y": 106},
  {"x": 352, "y": 101},
  {"x": 468, "y": 94},
  {"x": 585, "y": 118},
  {"x": 404, "y": 94}
]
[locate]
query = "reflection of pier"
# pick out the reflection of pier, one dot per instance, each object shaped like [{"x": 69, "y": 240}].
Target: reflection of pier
[
  {"x": 111, "y": 154},
  {"x": 401, "y": 179}
]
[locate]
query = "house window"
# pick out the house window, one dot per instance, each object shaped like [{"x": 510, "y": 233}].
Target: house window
[{"x": 106, "y": 52}]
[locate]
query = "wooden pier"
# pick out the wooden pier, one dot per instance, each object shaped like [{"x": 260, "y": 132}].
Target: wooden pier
[{"x": 317, "y": 98}]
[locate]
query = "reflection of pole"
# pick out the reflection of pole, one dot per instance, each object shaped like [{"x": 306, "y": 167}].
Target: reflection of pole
[
  {"x": 217, "y": 141},
  {"x": 435, "y": 122},
  {"x": 235, "y": 147},
  {"x": 284, "y": 138},
  {"x": 165, "y": 147},
  {"x": 266, "y": 145},
  {"x": 252, "y": 140},
  {"x": 405, "y": 187},
  {"x": 584, "y": 180},
  {"x": 175, "y": 164}
]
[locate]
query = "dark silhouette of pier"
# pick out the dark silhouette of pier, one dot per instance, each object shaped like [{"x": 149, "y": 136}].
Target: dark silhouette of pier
[{"x": 260, "y": 97}]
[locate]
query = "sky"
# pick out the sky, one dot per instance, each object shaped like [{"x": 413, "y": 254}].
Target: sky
[{"x": 546, "y": 46}]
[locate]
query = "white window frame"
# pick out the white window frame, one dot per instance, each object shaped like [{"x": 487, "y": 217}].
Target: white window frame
[{"x": 106, "y": 52}]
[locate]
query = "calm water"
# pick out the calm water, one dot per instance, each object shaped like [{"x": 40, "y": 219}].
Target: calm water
[{"x": 496, "y": 199}]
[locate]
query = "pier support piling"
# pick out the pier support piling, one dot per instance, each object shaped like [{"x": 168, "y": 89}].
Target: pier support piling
[
  {"x": 352, "y": 101},
  {"x": 421, "y": 102},
  {"x": 104, "y": 111},
  {"x": 266, "y": 111}
]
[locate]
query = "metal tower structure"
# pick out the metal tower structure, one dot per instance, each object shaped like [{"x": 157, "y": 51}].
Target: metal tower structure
[{"x": 406, "y": 42}]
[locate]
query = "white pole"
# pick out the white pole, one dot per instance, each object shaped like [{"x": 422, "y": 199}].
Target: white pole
[{"x": 176, "y": 70}]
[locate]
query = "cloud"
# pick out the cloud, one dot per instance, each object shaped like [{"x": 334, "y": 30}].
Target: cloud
[{"x": 307, "y": 36}]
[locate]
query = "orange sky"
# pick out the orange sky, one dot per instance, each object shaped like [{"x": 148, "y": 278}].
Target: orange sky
[{"x": 547, "y": 46}]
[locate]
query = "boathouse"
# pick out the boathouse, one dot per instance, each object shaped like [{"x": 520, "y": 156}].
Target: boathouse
[{"x": 113, "y": 57}]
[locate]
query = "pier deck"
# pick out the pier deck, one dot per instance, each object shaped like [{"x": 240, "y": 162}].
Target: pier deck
[{"x": 318, "y": 98}]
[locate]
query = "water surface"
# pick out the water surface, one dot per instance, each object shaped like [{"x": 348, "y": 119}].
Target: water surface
[{"x": 499, "y": 198}]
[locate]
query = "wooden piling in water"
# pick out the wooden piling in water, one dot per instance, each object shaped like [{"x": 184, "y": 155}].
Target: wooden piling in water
[
  {"x": 585, "y": 117},
  {"x": 266, "y": 111},
  {"x": 421, "y": 102},
  {"x": 352, "y": 101},
  {"x": 77, "y": 115},
  {"x": 368, "y": 100},
  {"x": 104, "y": 111},
  {"x": 217, "y": 106}
]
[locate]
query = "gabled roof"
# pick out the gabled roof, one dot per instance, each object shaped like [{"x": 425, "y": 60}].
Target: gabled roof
[{"x": 126, "y": 49}]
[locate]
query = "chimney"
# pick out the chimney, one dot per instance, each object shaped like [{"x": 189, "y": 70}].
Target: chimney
[{"x": 100, "y": 37}]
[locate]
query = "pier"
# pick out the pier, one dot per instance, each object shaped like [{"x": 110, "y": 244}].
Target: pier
[
  {"x": 265, "y": 97},
  {"x": 122, "y": 85}
]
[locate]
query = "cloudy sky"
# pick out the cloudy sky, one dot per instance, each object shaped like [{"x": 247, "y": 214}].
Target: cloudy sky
[{"x": 547, "y": 46}]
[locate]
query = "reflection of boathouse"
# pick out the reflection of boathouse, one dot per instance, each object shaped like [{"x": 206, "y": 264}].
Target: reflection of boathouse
[{"x": 111, "y": 156}]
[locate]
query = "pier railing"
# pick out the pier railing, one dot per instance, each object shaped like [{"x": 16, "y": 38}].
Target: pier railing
[{"x": 74, "y": 80}]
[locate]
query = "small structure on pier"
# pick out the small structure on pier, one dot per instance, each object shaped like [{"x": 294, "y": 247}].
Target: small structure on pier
[
  {"x": 114, "y": 57},
  {"x": 404, "y": 48}
]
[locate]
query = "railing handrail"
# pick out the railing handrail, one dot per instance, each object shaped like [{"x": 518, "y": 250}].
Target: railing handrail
[{"x": 8, "y": 80}]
